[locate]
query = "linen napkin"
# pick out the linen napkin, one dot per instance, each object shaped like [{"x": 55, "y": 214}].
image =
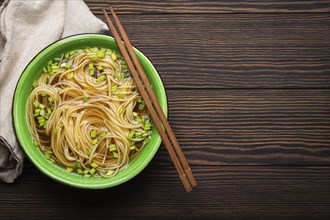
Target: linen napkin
[{"x": 26, "y": 27}]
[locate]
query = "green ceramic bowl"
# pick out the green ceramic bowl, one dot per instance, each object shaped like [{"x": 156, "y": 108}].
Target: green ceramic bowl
[{"x": 24, "y": 87}]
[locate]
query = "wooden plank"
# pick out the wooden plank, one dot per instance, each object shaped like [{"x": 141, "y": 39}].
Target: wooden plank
[
  {"x": 214, "y": 7},
  {"x": 210, "y": 7},
  {"x": 236, "y": 51},
  {"x": 275, "y": 127},
  {"x": 229, "y": 192}
]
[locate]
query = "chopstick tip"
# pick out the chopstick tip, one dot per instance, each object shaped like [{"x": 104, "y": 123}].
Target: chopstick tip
[
  {"x": 185, "y": 182},
  {"x": 111, "y": 9}
]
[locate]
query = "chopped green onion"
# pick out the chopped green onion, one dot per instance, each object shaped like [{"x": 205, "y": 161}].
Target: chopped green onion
[
  {"x": 100, "y": 78},
  {"x": 114, "y": 88},
  {"x": 92, "y": 171},
  {"x": 67, "y": 55},
  {"x": 53, "y": 72},
  {"x": 114, "y": 154},
  {"x": 112, "y": 148},
  {"x": 91, "y": 72},
  {"x": 47, "y": 156},
  {"x": 72, "y": 52},
  {"x": 99, "y": 67},
  {"x": 35, "y": 83},
  {"x": 102, "y": 134},
  {"x": 54, "y": 67},
  {"x": 115, "y": 73},
  {"x": 35, "y": 143},
  {"x": 87, "y": 50},
  {"x": 109, "y": 51},
  {"x": 71, "y": 75},
  {"x": 37, "y": 112},
  {"x": 36, "y": 103},
  {"x": 49, "y": 68},
  {"x": 42, "y": 112},
  {"x": 93, "y": 57},
  {"x": 55, "y": 130},
  {"x": 145, "y": 141},
  {"x": 120, "y": 95},
  {"x": 101, "y": 54},
  {"x": 50, "y": 99},
  {"x": 43, "y": 94},
  {"x": 141, "y": 106},
  {"x": 94, "y": 165},
  {"x": 41, "y": 106},
  {"x": 114, "y": 56},
  {"x": 138, "y": 134},
  {"x": 124, "y": 66},
  {"x": 121, "y": 110},
  {"x": 50, "y": 62},
  {"x": 109, "y": 173},
  {"x": 79, "y": 171},
  {"x": 119, "y": 76},
  {"x": 138, "y": 120},
  {"x": 68, "y": 170},
  {"x": 49, "y": 152},
  {"x": 87, "y": 176},
  {"x": 131, "y": 134},
  {"x": 47, "y": 115},
  {"x": 45, "y": 124},
  {"x": 78, "y": 165},
  {"x": 94, "y": 141},
  {"x": 132, "y": 148},
  {"x": 90, "y": 66},
  {"x": 123, "y": 62},
  {"x": 144, "y": 134},
  {"x": 41, "y": 119},
  {"x": 86, "y": 171},
  {"x": 139, "y": 99},
  {"x": 44, "y": 70},
  {"x": 68, "y": 65},
  {"x": 135, "y": 114},
  {"x": 95, "y": 49},
  {"x": 93, "y": 133},
  {"x": 146, "y": 128},
  {"x": 90, "y": 151},
  {"x": 85, "y": 99},
  {"x": 49, "y": 110}
]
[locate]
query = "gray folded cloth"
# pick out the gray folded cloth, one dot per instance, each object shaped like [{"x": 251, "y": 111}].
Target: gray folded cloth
[{"x": 26, "y": 27}]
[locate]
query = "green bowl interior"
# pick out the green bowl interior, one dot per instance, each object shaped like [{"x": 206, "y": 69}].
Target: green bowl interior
[{"x": 24, "y": 87}]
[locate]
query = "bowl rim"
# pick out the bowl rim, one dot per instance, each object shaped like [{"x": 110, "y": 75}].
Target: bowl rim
[{"x": 46, "y": 169}]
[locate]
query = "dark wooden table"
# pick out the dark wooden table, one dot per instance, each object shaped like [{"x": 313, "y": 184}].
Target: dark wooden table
[{"x": 248, "y": 86}]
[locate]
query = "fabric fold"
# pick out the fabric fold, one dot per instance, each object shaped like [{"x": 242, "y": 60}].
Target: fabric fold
[{"x": 26, "y": 27}]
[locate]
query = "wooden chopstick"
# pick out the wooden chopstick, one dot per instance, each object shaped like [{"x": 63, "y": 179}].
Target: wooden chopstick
[
  {"x": 149, "y": 105},
  {"x": 145, "y": 97},
  {"x": 154, "y": 100}
]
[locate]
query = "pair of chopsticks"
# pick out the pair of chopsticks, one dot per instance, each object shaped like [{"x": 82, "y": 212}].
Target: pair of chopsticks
[{"x": 149, "y": 97}]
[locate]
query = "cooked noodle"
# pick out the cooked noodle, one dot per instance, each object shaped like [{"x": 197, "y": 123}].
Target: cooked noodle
[{"x": 86, "y": 114}]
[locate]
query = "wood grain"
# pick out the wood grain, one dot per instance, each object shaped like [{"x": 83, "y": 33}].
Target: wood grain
[
  {"x": 211, "y": 7},
  {"x": 240, "y": 127},
  {"x": 224, "y": 192},
  {"x": 235, "y": 51},
  {"x": 248, "y": 85}
]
